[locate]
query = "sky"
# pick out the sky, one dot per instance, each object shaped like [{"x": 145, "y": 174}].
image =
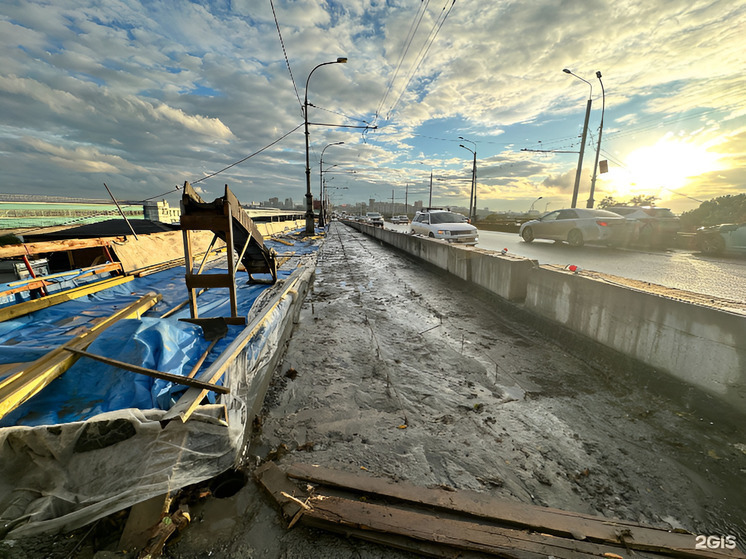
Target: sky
[{"x": 143, "y": 96}]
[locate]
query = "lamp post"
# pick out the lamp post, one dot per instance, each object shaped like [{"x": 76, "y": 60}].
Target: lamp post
[
  {"x": 309, "y": 196},
  {"x": 534, "y": 202},
  {"x": 473, "y": 195},
  {"x": 321, "y": 182},
  {"x": 590, "y": 202},
  {"x": 582, "y": 142}
]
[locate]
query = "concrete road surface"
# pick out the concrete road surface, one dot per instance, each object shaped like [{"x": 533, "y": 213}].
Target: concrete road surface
[{"x": 401, "y": 370}]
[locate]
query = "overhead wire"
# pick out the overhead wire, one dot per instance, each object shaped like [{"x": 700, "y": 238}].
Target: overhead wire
[
  {"x": 284, "y": 52},
  {"x": 437, "y": 26},
  {"x": 407, "y": 43}
]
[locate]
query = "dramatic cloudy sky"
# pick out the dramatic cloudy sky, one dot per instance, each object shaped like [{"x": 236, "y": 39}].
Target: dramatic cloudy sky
[{"x": 145, "y": 95}]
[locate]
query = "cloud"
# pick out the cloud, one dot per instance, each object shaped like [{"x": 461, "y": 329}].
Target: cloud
[{"x": 178, "y": 89}]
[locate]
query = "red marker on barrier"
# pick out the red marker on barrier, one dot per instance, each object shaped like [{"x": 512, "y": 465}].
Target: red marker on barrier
[{"x": 573, "y": 268}]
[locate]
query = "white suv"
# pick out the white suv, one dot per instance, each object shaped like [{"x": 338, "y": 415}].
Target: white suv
[{"x": 444, "y": 224}]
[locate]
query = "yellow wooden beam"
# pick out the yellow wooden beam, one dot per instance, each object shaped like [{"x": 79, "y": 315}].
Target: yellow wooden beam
[
  {"x": 27, "y": 307},
  {"x": 24, "y": 384}
]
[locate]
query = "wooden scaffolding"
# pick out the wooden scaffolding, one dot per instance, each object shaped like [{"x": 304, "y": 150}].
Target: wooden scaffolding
[{"x": 229, "y": 222}]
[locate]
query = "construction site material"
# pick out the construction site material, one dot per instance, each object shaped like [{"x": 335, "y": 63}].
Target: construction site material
[
  {"x": 20, "y": 309},
  {"x": 177, "y": 379},
  {"x": 104, "y": 459},
  {"x": 227, "y": 220},
  {"x": 29, "y": 249},
  {"x": 192, "y": 397},
  {"x": 25, "y": 383},
  {"x": 30, "y": 284},
  {"x": 414, "y": 518}
]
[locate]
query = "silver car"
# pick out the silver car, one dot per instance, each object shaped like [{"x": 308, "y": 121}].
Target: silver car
[
  {"x": 576, "y": 226},
  {"x": 443, "y": 224}
]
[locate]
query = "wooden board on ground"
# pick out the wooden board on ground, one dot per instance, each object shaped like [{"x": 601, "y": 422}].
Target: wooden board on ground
[{"x": 405, "y": 516}]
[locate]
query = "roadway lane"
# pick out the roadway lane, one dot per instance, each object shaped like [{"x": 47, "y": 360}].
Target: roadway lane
[{"x": 723, "y": 277}]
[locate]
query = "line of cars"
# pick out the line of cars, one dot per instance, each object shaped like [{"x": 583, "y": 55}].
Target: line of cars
[
  {"x": 645, "y": 226},
  {"x": 622, "y": 225}
]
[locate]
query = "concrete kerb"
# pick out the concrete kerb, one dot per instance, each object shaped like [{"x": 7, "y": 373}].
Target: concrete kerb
[{"x": 700, "y": 345}]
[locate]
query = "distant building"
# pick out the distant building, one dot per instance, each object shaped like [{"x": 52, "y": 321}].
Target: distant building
[{"x": 160, "y": 211}]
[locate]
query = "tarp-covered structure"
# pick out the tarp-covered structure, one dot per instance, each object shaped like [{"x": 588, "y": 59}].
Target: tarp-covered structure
[{"x": 94, "y": 441}]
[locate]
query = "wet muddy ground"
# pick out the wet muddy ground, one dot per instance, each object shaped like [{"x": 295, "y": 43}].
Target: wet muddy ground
[{"x": 399, "y": 369}]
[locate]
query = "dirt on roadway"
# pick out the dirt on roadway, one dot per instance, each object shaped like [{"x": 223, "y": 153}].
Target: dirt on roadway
[
  {"x": 401, "y": 370},
  {"x": 397, "y": 368}
]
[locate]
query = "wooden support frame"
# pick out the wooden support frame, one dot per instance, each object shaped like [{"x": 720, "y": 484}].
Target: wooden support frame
[{"x": 24, "y": 383}]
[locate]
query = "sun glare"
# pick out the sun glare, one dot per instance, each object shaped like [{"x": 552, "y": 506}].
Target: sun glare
[{"x": 669, "y": 164}]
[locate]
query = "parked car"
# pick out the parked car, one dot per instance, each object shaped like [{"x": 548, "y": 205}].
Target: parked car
[
  {"x": 650, "y": 225},
  {"x": 444, "y": 224},
  {"x": 400, "y": 219},
  {"x": 577, "y": 226},
  {"x": 719, "y": 239},
  {"x": 374, "y": 218}
]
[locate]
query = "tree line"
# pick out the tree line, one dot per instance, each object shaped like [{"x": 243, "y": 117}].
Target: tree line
[{"x": 724, "y": 209}]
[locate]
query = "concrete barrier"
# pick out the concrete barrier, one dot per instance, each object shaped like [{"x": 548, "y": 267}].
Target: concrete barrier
[
  {"x": 505, "y": 275},
  {"x": 694, "y": 338},
  {"x": 678, "y": 332}
]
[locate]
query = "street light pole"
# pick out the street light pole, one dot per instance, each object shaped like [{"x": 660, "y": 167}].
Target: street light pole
[
  {"x": 473, "y": 195},
  {"x": 534, "y": 202},
  {"x": 309, "y": 196},
  {"x": 430, "y": 201},
  {"x": 576, "y": 187},
  {"x": 590, "y": 202},
  {"x": 321, "y": 182}
]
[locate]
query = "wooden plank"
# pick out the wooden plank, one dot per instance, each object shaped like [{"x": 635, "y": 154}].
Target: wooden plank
[
  {"x": 27, "y": 307},
  {"x": 176, "y": 379},
  {"x": 548, "y": 520},
  {"x": 24, "y": 384},
  {"x": 29, "y": 249},
  {"x": 335, "y": 511},
  {"x": 142, "y": 517},
  {"x": 276, "y": 482}
]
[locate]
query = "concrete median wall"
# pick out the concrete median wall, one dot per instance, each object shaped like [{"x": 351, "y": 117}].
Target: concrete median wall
[
  {"x": 697, "y": 339},
  {"x": 504, "y": 275},
  {"x": 700, "y": 344}
]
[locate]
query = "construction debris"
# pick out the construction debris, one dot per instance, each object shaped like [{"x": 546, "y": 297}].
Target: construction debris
[{"x": 446, "y": 523}]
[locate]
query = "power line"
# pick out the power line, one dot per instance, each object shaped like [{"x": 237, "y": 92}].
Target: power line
[
  {"x": 407, "y": 43},
  {"x": 248, "y": 156},
  {"x": 437, "y": 26},
  {"x": 284, "y": 52}
]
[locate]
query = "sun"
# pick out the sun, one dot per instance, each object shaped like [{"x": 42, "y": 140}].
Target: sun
[{"x": 669, "y": 164}]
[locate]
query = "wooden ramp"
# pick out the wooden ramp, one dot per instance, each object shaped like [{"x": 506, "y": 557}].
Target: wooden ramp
[
  {"x": 229, "y": 222},
  {"x": 448, "y": 523}
]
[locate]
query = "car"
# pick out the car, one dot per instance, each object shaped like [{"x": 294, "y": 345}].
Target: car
[
  {"x": 650, "y": 225},
  {"x": 576, "y": 226},
  {"x": 400, "y": 219},
  {"x": 439, "y": 223},
  {"x": 374, "y": 218},
  {"x": 719, "y": 239}
]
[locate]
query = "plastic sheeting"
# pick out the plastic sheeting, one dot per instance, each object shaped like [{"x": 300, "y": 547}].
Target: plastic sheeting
[
  {"x": 67, "y": 460},
  {"x": 55, "y": 478}
]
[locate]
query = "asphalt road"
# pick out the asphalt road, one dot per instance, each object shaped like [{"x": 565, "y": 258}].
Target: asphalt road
[{"x": 723, "y": 277}]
